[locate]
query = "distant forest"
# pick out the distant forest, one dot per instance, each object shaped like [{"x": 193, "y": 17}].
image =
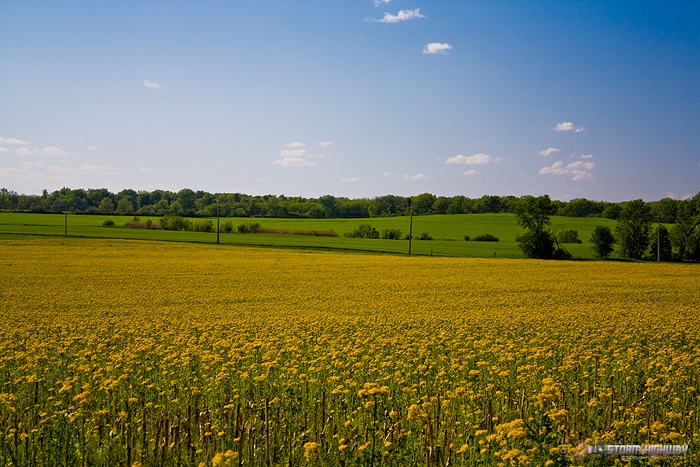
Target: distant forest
[{"x": 191, "y": 203}]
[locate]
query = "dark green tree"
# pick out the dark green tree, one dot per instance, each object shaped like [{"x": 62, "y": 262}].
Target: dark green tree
[
  {"x": 633, "y": 228},
  {"x": 685, "y": 233},
  {"x": 533, "y": 214},
  {"x": 603, "y": 241}
]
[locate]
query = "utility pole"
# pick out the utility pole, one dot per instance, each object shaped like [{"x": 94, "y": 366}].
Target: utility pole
[
  {"x": 658, "y": 239},
  {"x": 217, "y": 220},
  {"x": 410, "y": 226}
]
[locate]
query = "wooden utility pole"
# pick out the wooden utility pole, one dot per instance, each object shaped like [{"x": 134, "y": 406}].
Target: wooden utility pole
[{"x": 410, "y": 227}]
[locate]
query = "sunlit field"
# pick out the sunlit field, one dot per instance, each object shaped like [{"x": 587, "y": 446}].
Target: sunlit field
[{"x": 122, "y": 352}]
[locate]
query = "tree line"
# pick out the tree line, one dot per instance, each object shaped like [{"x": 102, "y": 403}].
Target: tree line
[
  {"x": 190, "y": 203},
  {"x": 640, "y": 231}
]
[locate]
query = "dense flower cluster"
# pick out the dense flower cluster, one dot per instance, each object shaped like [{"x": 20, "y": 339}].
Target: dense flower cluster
[{"x": 138, "y": 353}]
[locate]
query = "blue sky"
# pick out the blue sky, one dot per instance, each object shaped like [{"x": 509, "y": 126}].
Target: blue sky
[{"x": 353, "y": 98}]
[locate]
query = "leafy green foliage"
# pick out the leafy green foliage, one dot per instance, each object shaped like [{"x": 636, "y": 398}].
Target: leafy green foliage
[
  {"x": 169, "y": 222},
  {"x": 486, "y": 238},
  {"x": 603, "y": 241},
  {"x": 633, "y": 228},
  {"x": 249, "y": 227},
  {"x": 363, "y": 231},
  {"x": 391, "y": 234},
  {"x": 534, "y": 214},
  {"x": 568, "y": 236},
  {"x": 660, "y": 244}
]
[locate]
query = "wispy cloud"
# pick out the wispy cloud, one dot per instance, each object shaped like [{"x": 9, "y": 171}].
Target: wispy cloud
[
  {"x": 289, "y": 153},
  {"x": 294, "y": 162},
  {"x": 402, "y": 15},
  {"x": 471, "y": 172},
  {"x": 548, "y": 152},
  {"x": 4, "y": 140},
  {"x": 437, "y": 48},
  {"x": 325, "y": 144},
  {"x": 476, "y": 159},
  {"x": 381, "y": 2},
  {"x": 295, "y": 156},
  {"x": 91, "y": 148},
  {"x": 151, "y": 84},
  {"x": 579, "y": 170},
  {"x": 568, "y": 126},
  {"x": 53, "y": 151},
  {"x": 350, "y": 180},
  {"x": 405, "y": 177}
]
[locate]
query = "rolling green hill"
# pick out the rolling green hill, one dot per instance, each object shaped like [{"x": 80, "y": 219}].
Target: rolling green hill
[{"x": 447, "y": 231}]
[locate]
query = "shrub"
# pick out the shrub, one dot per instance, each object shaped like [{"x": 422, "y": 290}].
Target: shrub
[
  {"x": 170, "y": 222},
  {"x": 108, "y": 223},
  {"x": 227, "y": 227},
  {"x": 249, "y": 227},
  {"x": 203, "y": 226},
  {"x": 136, "y": 223},
  {"x": 391, "y": 234},
  {"x": 486, "y": 238},
  {"x": 425, "y": 236},
  {"x": 363, "y": 231},
  {"x": 467, "y": 238},
  {"x": 568, "y": 236}
]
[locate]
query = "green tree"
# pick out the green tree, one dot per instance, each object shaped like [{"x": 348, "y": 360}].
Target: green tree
[
  {"x": 106, "y": 206},
  {"x": 533, "y": 214},
  {"x": 685, "y": 233},
  {"x": 662, "y": 238},
  {"x": 603, "y": 241},
  {"x": 633, "y": 228},
  {"x": 124, "y": 206}
]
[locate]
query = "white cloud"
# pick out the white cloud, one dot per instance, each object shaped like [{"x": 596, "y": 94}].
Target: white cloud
[
  {"x": 381, "y": 2},
  {"x": 471, "y": 160},
  {"x": 53, "y": 151},
  {"x": 325, "y": 144},
  {"x": 555, "y": 169},
  {"x": 471, "y": 172},
  {"x": 436, "y": 48},
  {"x": 294, "y": 162},
  {"x": 350, "y": 180},
  {"x": 579, "y": 170},
  {"x": 295, "y": 144},
  {"x": 587, "y": 156},
  {"x": 4, "y": 149},
  {"x": 4, "y": 140},
  {"x": 151, "y": 84},
  {"x": 297, "y": 153},
  {"x": 403, "y": 15},
  {"x": 548, "y": 152},
  {"x": 405, "y": 177},
  {"x": 568, "y": 126},
  {"x": 91, "y": 148},
  {"x": 23, "y": 151},
  {"x": 147, "y": 170}
]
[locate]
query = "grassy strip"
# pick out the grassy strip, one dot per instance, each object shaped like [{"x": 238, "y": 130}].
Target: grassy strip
[{"x": 448, "y": 232}]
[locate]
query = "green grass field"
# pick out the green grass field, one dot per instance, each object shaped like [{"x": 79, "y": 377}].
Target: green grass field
[{"x": 448, "y": 232}]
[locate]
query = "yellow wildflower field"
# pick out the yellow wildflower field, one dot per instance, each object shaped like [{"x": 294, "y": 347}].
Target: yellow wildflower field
[{"x": 116, "y": 352}]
